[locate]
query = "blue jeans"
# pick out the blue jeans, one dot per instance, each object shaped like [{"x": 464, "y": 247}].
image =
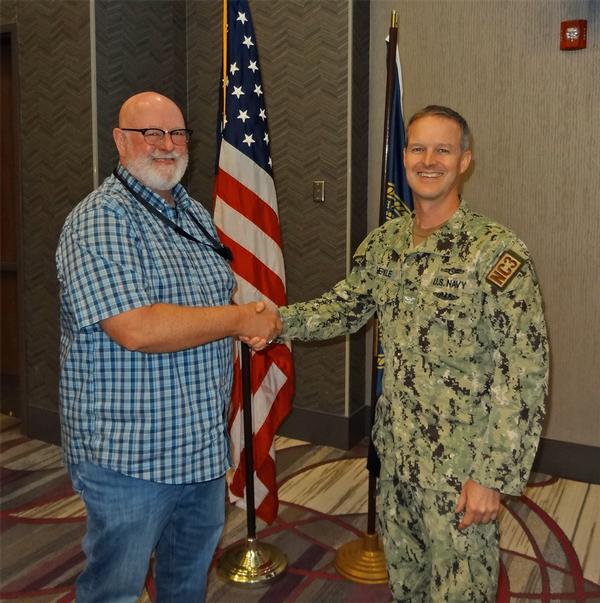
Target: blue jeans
[{"x": 129, "y": 518}]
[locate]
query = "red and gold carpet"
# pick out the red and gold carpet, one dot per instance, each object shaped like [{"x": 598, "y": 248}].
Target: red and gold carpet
[{"x": 549, "y": 536}]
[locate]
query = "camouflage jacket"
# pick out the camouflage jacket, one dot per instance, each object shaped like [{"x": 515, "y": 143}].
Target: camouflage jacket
[{"x": 465, "y": 349}]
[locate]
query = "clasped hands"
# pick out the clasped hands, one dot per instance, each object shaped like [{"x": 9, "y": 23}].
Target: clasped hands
[{"x": 260, "y": 324}]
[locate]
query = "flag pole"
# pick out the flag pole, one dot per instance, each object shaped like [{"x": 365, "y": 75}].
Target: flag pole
[
  {"x": 248, "y": 444},
  {"x": 362, "y": 560},
  {"x": 250, "y": 563}
]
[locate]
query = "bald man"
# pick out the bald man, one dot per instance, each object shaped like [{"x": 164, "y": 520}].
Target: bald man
[{"x": 146, "y": 365}]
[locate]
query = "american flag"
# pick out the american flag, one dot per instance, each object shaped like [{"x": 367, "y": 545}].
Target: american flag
[{"x": 247, "y": 221}]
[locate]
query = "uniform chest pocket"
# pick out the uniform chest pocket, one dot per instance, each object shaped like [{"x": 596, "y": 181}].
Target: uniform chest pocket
[
  {"x": 387, "y": 281},
  {"x": 447, "y": 322},
  {"x": 386, "y": 292}
]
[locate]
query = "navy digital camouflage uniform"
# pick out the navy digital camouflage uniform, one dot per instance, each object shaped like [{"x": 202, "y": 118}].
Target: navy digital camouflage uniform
[{"x": 466, "y": 372}]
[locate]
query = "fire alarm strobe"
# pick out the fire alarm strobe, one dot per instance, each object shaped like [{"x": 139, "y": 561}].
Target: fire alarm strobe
[{"x": 573, "y": 34}]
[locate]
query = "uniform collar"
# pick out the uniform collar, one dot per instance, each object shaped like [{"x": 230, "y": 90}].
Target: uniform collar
[{"x": 443, "y": 240}]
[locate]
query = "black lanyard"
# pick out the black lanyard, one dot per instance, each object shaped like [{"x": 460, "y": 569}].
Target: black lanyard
[{"x": 213, "y": 243}]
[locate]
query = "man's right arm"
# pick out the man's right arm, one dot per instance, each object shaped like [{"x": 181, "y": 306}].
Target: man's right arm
[
  {"x": 342, "y": 310},
  {"x": 347, "y": 306},
  {"x": 163, "y": 328}
]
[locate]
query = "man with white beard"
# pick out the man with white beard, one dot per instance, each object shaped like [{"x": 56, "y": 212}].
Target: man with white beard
[{"x": 146, "y": 365}]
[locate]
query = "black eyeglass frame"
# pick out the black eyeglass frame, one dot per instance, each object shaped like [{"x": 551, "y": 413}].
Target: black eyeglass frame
[{"x": 188, "y": 134}]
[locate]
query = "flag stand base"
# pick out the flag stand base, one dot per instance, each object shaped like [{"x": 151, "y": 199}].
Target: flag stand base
[
  {"x": 362, "y": 560},
  {"x": 251, "y": 563}
]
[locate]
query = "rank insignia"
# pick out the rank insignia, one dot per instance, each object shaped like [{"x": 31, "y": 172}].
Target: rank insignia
[{"x": 505, "y": 269}]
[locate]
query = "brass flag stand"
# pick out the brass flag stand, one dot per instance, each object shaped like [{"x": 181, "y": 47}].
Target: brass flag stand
[
  {"x": 251, "y": 563},
  {"x": 362, "y": 560}
]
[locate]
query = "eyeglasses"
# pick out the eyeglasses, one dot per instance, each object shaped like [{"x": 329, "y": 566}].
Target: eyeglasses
[{"x": 155, "y": 136}]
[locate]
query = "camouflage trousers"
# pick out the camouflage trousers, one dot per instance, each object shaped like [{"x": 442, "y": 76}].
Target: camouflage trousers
[{"x": 428, "y": 558}]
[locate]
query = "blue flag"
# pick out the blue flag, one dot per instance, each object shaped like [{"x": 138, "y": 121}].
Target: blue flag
[
  {"x": 398, "y": 201},
  {"x": 399, "y": 197}
]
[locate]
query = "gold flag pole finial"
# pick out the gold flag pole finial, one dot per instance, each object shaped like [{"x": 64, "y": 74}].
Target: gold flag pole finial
[{"x": 394, "y": 22}]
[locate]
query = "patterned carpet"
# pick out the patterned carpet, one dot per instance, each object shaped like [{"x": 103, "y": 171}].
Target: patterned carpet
[{"x": 550, "y": 548}]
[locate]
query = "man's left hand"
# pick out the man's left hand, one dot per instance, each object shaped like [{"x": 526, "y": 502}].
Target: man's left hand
[{"x": 477, "y": 503}]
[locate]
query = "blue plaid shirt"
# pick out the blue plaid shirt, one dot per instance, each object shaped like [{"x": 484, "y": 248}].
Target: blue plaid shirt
[{"x": 159, "y": 417}]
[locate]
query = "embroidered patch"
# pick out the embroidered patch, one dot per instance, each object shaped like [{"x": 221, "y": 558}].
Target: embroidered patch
[
  {"x": 449, "y": 283},
  {"x": 505, "y": 270}
]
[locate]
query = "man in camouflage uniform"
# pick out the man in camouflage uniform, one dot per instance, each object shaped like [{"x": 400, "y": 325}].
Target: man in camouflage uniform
[{"x": 466, "y": 369}]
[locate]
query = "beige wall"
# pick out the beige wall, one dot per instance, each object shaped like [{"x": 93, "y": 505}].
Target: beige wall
[{"x": 535, "y": 116}]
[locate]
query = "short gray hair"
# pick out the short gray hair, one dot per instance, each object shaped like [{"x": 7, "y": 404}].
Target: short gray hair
[{"x": 441, "y": 111}]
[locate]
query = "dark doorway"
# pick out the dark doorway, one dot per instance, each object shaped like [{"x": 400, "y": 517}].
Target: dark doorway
[{"x": 10, "y": 229}]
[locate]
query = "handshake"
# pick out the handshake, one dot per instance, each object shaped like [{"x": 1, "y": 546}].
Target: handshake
[{"x": 259, "y": 325}]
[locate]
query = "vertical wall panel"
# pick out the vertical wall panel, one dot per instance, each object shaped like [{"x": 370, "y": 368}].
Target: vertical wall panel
[
  {"x": 360, "y": 363},
  {"x": 139, "y": 46},
  {"x": 535, "y": 116},
  {"x": 8, "y": 12},
  {"x": 56, "y": 152},
  {"x": 204, "y": 72},
  {"x": 303, "y": 48}
]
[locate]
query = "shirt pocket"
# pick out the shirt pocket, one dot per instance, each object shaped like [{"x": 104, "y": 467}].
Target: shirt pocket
[
  {"x": 388, "y": 286},
  {"x": 390, "y": 311},
  {"x": 446, "y": 324},
  {"x": 386, "y": 292}
]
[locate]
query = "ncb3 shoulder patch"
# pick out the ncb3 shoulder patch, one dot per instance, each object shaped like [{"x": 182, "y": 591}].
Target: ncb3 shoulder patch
[{"x": 505, "y": 269}]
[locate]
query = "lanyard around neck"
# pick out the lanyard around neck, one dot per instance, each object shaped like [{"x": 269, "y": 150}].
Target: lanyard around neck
[{"x": 212, "y": 243}]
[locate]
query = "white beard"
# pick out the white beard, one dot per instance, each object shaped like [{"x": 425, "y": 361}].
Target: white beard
[{"x": 153, "y": 176}]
